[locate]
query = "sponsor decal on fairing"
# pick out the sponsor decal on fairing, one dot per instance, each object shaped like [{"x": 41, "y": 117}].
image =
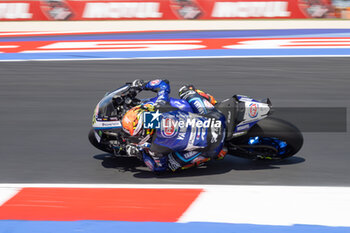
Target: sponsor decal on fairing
[
  {"x": 172, "y": 163},
  {"x": 169, "y": 127},
  {"x": 215, "y": 132},
  {"x": 107, "y": 124},
  {"x": 190, "y": 154},
  {"x": 155, "y": 82},
  {"x": 242, "y": 127},
  {"x": 253, "y": 110}
]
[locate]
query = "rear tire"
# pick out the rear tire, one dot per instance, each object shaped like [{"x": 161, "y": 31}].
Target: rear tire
[
  {"x": 96, "y": 144},
  {"x": 277, "y": 129}
]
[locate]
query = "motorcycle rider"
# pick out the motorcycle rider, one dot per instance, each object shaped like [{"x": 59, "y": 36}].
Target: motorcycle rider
[{"x": 174, "y": 145}]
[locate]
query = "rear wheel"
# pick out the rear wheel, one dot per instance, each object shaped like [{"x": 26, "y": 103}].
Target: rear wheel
[
  {"x": 270, "y": 138},
  {"x": 95, "y": 143}
]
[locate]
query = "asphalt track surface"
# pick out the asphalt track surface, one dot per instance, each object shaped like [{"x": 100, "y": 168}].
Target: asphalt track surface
[{"x": 46, "y": 110}]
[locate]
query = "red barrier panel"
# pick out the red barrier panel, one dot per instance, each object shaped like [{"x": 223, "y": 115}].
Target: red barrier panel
[{"x": 163, "y": 9}]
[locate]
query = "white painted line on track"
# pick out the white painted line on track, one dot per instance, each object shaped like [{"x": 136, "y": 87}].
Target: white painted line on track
[
  {"x": 50, "y": 185},
  {"x": 161, "y": 25},
  {"x": 155, "y": 58},
  {"x": 161, "y": 186}
]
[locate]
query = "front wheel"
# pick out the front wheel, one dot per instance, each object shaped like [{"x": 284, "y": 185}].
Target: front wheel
[
  {"x": 270, "y": 138},
  {"x": 95, "y": 143}
]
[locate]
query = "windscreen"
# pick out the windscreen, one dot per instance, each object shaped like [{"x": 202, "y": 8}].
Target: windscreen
[{"x": 105, "y": 107}]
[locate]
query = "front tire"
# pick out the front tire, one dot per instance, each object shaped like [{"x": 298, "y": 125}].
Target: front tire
[{"x": 96, "y": 144}]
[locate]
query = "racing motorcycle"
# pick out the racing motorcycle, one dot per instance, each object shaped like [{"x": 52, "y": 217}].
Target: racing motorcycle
[{"x": 250, "y": 130}]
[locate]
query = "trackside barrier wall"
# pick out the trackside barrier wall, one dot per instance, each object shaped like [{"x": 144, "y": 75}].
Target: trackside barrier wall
[{"x": 168, "y": 9}]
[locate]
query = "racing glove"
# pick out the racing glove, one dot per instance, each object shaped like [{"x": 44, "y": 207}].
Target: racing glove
[
  {"x": 139, "y": 83},
  {"x": 133, "y": 151}
]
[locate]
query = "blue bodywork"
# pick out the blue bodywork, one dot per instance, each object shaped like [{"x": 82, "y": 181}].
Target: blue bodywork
[{"x": 280, "y": 145}]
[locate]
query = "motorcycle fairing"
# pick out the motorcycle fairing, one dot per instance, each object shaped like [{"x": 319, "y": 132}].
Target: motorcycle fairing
[
  {"x": 103, "y": 115},
  {"x": 250, "y": 112}
]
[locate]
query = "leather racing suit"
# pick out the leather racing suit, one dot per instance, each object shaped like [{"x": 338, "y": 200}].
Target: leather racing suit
[{"x": 186, "y": 137}]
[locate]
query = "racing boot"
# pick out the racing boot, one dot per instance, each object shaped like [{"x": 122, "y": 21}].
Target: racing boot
[
  {"x": 198, "y": 103},
  {"x": 222, "y": 154},
  {"x": 209, "y": 97},
  {"x": 197, "y": 162},
  {"x": 185, "y": 89}
]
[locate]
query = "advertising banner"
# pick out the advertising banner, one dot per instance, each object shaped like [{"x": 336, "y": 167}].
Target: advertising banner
[{"x": 164, "y": 9}]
